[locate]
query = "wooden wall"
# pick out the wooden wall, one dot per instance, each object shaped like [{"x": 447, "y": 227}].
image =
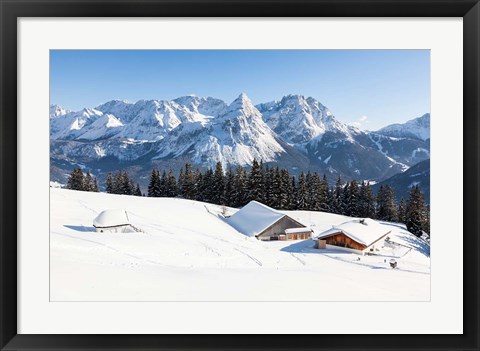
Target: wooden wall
[
  {"x": 279, "y": 228},
  {"x": 340, "y": 239},
  {"x": 299, "y": 236}
]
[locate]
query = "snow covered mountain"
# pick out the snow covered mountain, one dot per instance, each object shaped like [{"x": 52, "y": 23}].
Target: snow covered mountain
[
  {"x": 295, "y": 132},
  {"x": 416, "y": 128},
  {"x": 297, "y": 119},
  {"x": 57, "y": 111},
  {"x": 234, "y": 138}
]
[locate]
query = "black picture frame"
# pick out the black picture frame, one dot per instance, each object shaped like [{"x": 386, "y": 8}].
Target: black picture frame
[{"x": 11, "y": 10}]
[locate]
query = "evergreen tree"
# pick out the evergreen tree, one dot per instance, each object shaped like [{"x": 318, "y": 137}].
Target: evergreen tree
[
  {"x": 311, "y": 192},
  {"x": 88, "y": 182},
  {"x": 95, "y": 185},
  {"x": 331, "y": 200},
  {"x": 345, "y": 202},
  {"x": 285, "y": 196},
  {"x": 278, "y": 191},
  {"x": 337, "y": 198},
  {"x": 386, "y": 208},
  {"x": 187, "y": 182},
  {"x": 162, "y": 184},
  {"x": 292, "y": 191},
  {"x": 269, "y": 192},
  {"x": 137, "y": 191},
  {"x": 426, "y": 226},
  {"x": 353, "y": 199},
  {"x": 208, "y": 186},
  {"x": 261, "y": 182},
  {"x": 126, "y": 185},
  {"x": 230, "y": 191},
  {"x": 76, "y": 180},
  {"x": 198, "y": 185},
  {"x": 109, "y": 183},
  {"x": 172, "y": 187},
  {"x": 313, "y": 185},
  {"x": 181, "y": 182},
  {"x": 417, "y": 217},
  {"x": 241, "y": 187},
  {"x": 402, "y": 211},
  {"x": 117, "y": 183},
  {"x": 366, "y": 204},
  {"x": 302, "y": 193},
  {"x": 254, "y": 183},
  {"x": 154, "y": 184},
  {"x": 323, "y": 203},
  {"x": 218, "y": 195}
]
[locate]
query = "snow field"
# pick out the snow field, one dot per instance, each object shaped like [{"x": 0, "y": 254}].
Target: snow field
[{"x": 187, "y": 252}]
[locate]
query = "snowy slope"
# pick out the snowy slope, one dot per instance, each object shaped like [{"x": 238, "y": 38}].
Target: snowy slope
[{"x": 188, "y": 252}]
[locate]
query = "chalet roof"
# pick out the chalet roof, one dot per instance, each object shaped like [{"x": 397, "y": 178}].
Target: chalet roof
[
  {"x": 111, "y": 218},
  {"x": 254, "y": 218},
  {"x": 297, "y": 230},
  {"x": 363, "y": 231}
]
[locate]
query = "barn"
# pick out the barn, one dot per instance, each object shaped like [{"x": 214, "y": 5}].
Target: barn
[
  {"x": 113, "y": 221},
  {"x": 264, "y": 223},
  {"x": 358, "y": 235}
]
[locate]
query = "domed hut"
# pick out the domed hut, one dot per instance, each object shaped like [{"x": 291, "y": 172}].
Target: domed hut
[{"x": 113, "y": 221}]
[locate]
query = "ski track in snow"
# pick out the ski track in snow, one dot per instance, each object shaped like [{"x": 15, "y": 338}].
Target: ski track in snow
[
  {"x": 87, "y": 207},
  {"x": 100, "y": 244},
  {"x": 298, "y": 258},
  {"x": 250, "y": 257}
]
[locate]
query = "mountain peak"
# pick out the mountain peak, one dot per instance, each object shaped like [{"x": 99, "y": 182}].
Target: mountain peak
[
  {"x": 242, "y": 102},
  {"x": 57, "y": 111},
  {"x": 244, "y": 98}
]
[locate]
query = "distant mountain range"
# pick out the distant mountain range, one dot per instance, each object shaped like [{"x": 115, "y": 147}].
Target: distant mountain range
[{"x": 296, "y": 132}]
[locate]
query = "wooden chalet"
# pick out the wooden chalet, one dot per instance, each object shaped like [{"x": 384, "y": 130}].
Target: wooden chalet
[{"x": 359, "y": 235}]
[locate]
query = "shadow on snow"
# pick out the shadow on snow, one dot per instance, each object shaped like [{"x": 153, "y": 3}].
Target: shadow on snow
[{"x": 80, "y": 228}]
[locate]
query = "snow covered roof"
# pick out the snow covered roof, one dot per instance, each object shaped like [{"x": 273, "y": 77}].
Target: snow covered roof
[
  {"x": 111, "y": 218},
  {"x": 254, "y": 218},
  {"x": 363, "y": 231},
  {"x": 297, "y": 230}
]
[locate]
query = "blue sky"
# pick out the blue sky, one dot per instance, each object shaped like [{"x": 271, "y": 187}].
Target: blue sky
[{"x": 367, "y": 88}]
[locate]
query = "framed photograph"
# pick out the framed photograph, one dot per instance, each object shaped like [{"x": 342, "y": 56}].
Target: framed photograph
[{"x": 225, "y": 175}]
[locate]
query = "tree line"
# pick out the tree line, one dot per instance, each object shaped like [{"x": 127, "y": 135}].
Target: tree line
[
  {"x": 118, "y": 183},
  {"x": 277, "y": 188},
  {"x": 79, "y": 181}
]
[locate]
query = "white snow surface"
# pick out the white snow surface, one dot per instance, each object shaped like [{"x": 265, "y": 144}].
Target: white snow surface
[
  {"x": 254, "y": 218},
  {"x": 111, "y": 218},
  {"x": 297, "y": 230},
  {"x": 364, "y": 233},
  {"x": 188, "y": 252}
]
